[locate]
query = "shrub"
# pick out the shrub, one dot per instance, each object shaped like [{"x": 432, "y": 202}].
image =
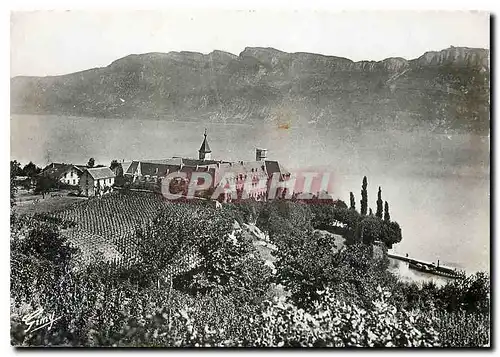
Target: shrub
[
  {"x": 332, "y": 323},
  {"x": 462, "y": 329}
]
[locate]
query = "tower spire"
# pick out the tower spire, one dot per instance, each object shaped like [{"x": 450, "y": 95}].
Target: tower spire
[{"x": 204, "y": 153}]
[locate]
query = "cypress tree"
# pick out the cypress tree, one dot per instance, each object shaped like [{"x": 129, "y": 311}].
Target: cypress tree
[
  {"x": 364, "y": 197},
  {"x": 387, "y": 216},
  {"x": 353, "y": 201},
  {"x": 380, "y": 204}
]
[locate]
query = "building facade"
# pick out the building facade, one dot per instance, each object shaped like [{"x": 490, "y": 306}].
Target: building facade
[
  {"x": 97, "y": 181},
  {"x": 247, "y": 179},
  {"x": 65, "y": 173}
]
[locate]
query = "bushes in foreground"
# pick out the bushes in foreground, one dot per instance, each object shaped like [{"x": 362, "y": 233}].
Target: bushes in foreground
[
  {"x": 158, "y": 319},
  {"x": 336, "y": 323},
  {"x": 154, "y": 318},
  {"x": 462, "y": 328},
  {"x": 354, "y": 303}
]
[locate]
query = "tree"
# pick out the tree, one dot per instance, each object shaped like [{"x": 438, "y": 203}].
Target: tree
[
  {"x": 117, "y": 168},
  {"x": 31, "y": 170},
  {"x": 13, "y": 191},
  {"x": 339, "y": 204},
  {"x": 40, "y": 238},
  {"x": 183, "y": 233},
  {"x": 387, "y": 216},
  {"x": 304, "y": 260},
  {"x": 15, "y": 168},
  {"x": 91, "y": 162},
  {"x": 380, "y": 204},
  {"x": 353, "y": 201},
  {"x": 114, "y": 164},
  {"x": 158, "y": 249},
  {"x": 41, "y": 258},
  {"x": 364, "y": 197},
  {"x": 44, "y": 184},
  {"x": 370, "y": 230},
  {"x": 391, "y": 233}
]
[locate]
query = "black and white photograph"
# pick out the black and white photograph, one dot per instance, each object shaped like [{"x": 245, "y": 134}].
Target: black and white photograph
[{"x": 248, "y": 178}]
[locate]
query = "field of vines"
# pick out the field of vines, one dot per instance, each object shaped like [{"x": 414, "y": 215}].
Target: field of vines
[
  {"x": 106, "y": 225},
  {"x": 92, "y": 246}
]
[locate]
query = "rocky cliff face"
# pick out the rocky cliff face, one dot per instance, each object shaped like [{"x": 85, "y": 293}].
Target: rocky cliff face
[
  {"x": 444, "y": 90},
  {"x": 456, "y": 56}
]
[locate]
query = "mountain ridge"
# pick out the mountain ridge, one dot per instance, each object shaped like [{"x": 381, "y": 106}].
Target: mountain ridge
[{"x": 442, "y": 90}]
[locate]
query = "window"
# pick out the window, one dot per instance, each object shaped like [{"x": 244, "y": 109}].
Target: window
[{"x": 73, "y": 181}]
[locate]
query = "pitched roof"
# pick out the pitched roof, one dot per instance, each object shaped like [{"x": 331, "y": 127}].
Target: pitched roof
[
  {"x": 157, "y": 161},
  {"x": 125, "y": 165},
  {"x": 275, "y": 166},
  {"x": 192, "y": 162},
  {"x": 101, "y": 173},
  {"x": 132, "y": 168},
  {"x": 80, "y": 168},
  {"x": 177, "y": 160},
  {"x": 56, "y": 170}
]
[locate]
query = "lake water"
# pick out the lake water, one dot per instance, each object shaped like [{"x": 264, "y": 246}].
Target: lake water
[{"x": 437, "y": 185}]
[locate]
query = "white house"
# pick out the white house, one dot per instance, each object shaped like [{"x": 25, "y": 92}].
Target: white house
[
  {"x": 66, "y": 173},
  {"x": 97, "y": 181},
  {"x": 71, "y": 176}
]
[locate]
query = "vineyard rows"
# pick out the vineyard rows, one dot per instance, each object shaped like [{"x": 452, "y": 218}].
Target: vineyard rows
[
  {"x": 107, "y": 225},
  {"x": 92, "y": 246}
]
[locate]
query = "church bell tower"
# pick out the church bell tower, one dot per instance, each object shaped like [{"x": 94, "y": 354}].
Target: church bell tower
[{"x": 205, "y": 153}]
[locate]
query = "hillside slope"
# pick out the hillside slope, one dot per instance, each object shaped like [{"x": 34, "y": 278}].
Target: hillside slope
[{"x": 441, "y": 90}]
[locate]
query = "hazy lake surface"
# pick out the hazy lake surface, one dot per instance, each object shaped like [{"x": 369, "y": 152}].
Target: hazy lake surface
[{"x": 437, "y": 185}]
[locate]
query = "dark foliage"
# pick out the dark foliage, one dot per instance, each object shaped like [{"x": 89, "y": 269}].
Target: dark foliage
[
  {"x": 387, "y": 216},
  {"x": 364, "y": 197},
  {"x": 114, "y": 164},
  {"x": 31, "y": 170},
  {"x": 15, "y": 168},
  {"x": 380, "y": 204},
  {"x": 45, "y": 184},
  {"x": 353, "y": 201}
]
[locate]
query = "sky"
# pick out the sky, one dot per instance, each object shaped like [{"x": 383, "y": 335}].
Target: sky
[{"x": 58, "y": 42}]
